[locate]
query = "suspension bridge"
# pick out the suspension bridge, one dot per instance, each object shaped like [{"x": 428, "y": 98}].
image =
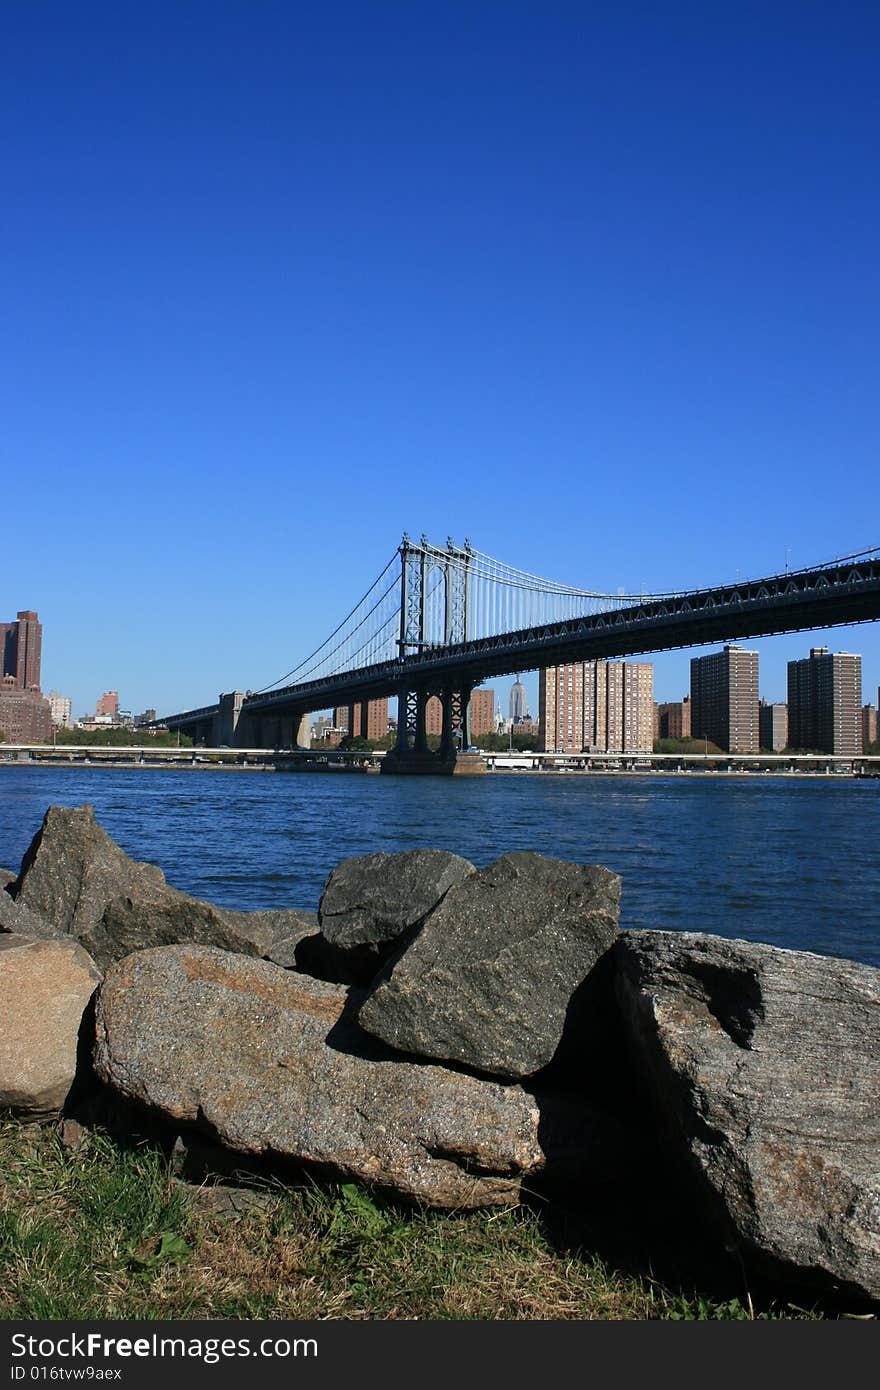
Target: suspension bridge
[{"x": 440, "y": 620}]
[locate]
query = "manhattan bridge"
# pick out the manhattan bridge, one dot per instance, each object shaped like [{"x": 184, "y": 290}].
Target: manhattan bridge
[{"x": 440, "y": 620}]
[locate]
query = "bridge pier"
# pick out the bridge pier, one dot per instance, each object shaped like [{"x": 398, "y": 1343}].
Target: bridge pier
[{"x": 411, "y": 754}]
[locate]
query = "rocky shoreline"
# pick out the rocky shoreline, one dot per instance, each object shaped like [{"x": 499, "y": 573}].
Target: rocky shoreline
[{"x": 456, "y": 1037}]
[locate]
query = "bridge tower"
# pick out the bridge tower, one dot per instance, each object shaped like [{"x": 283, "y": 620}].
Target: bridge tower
[{"x": 435, "y": 576}]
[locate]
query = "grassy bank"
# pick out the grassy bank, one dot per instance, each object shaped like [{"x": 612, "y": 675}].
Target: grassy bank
[{"x": 95, "y": 1230}]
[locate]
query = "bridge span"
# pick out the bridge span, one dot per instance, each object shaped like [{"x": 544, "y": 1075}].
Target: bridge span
[{"x": 448, "y": 619}]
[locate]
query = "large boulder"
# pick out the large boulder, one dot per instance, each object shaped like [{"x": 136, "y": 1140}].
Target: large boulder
[
  {"x": 489, "y": 979},
  {"x": 270, "y": 1062},
  {"x": 765, "y": 1068},
  {"x": 83, "y": 885},
  {"x": 371, "y": 901},
  {"x": 44, "y": 988}
]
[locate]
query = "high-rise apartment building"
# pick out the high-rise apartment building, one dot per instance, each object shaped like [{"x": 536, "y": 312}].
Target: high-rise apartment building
[
  {"x": 22, "y": 645},
  {"x": 773, "y": 726},
  {"x": 597, "y": 706},
  {"x": 825, "y": 702},
  {"x": 561, "y": 707},
  {"x": 724, "y": 699},
  {"x": 482, "y": 712},
  {"x": 869, "y": 725}
]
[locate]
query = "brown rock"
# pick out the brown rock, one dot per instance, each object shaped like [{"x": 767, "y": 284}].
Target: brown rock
[
  {"x": 45, "y": 987},
  {"x": 271, "y": 1063}
]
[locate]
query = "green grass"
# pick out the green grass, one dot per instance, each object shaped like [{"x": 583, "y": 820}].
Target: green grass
[{"x": 99, "y": 1231}]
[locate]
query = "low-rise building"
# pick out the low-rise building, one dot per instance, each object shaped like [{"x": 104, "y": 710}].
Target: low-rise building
[
  {"x": 61, "y": 710},
  {"x": 674, "y": 719}
]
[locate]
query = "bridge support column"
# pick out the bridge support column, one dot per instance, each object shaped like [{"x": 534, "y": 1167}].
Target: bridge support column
[
  {"x": 447, "y": 734},
  {"x": 227, "y": 717},
  {"x": 407, "y": 719},
  {"x": 303, "y": 726},
  {"x": 350, "y": 721},
  {"x": 421, "y": 740},
  {"x": 364, "y": 709},
  {"x": 465, "y": 717}
]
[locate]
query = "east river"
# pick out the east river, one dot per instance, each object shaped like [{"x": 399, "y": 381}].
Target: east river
[{"x": 788, "y": 860}]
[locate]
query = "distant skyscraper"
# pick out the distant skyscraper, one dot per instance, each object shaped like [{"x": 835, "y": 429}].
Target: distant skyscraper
[
  {"x": 869, "y": 725},
  {"x": 825, "y": 702},
  {"x": 22, "y": 643},
  {"x": 724, "y": 699},
  {"x": 598, "y": 706},
  {"x": 518, "y": 706}
]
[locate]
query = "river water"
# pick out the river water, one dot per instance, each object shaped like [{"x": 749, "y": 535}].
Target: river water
[{"x": 787, "y": 860}]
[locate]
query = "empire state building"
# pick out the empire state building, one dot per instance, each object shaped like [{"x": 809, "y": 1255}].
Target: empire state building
[{"x": 518, "y": 710}]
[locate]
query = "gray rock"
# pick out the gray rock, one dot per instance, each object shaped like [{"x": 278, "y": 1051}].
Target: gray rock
[
  {"x": 372, "y": 899},
  {"x": 7, "y": 877},
  {"x": 79, "y": 880},
  {"x": 269, "y": 1062},
  {"x": 288, "y": 928},
  {"x": 15, "y": 917},
  {"x": 765, "y": 1068},
  {"x": 45, "y": 987},
  {"x": 489, "y": 979}
]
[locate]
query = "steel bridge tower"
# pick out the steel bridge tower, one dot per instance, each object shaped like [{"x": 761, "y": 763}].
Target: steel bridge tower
[{"x": 428, "y": 572}]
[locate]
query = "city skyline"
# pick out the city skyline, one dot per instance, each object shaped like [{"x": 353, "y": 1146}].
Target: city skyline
[{"x": 25, "y": 636}]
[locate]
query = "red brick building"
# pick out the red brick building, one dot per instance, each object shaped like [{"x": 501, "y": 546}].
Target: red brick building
[
  {"x": 377, "y": 719},
  {"x": 25, "y": 717},
  {"x": 22, "y": 646},
  {"x": 674, "y": 719}
]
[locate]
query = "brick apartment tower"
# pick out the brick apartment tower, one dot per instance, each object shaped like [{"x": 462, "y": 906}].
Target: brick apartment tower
[
  {"x": 482, "y": 712},
  {"x": 23, "y": 650},
  {"x": 377, "y": 719},
  {"x": 561, "y": 708},
  {"x": 825, "y": 702},
  {"x": 724, "y": 699},
  {"x": 597, "y": 706}
]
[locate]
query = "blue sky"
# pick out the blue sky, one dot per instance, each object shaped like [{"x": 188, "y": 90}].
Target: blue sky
[{"x": 594, "y": 285}]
